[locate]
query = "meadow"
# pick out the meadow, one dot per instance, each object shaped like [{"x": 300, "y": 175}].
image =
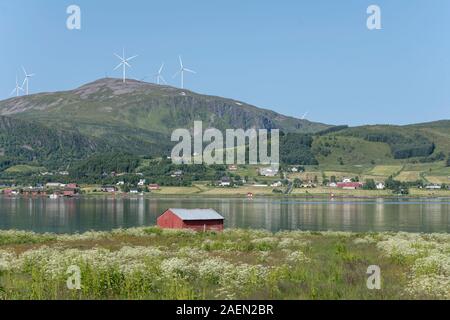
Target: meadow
[{"x": 151, "y": 263}]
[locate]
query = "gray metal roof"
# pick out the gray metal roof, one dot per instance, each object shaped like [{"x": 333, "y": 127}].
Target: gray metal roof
[{"x": 197, "y": 214}]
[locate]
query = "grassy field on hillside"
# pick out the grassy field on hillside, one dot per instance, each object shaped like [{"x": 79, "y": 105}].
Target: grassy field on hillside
[{"x": 151, "y": 263}]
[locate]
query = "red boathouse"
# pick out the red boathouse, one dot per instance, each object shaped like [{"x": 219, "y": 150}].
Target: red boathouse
[{"x": 194, "y": 219}]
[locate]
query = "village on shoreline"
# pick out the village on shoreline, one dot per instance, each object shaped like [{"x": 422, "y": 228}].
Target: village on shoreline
[{"x": 294, "y": 181}]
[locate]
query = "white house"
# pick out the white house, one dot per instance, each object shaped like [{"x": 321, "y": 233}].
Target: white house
[
  {"x": 294, "y": 169},
  {"x": 380, "y": 186},
  {"x": 332, "y": 185},
  {"x": 141, "y": 182},
  {"x": 120, "y": 183},
  {"x": 268, "y": 172},
  {"x": 277, "y": 184},
  {"x": 225, "y": 182},
  {"x": 433, "y": 187},
  {"x": 347, "y": 180}
]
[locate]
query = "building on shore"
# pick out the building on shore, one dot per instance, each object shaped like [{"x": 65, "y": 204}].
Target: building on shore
[
  {"x": 194, "y": 219},
  {"x": 350, "y": 185}
]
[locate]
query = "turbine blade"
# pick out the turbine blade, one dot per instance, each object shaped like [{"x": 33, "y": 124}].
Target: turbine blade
[
  {"x": 12, "y": 92},
  {"x": 133, "y": 57},
  {"x": 163, "y": 80},
  {"x": 161, "y": 69},
  {"x": 176, "y": 74},
  {"x": 24, "y": 71},
  {"x": 118, "y": 66},
  {"x": 181, "y": 62},
  {"x": 191, "y": 71},
  {"x": 127, "y": 64},
  {"x": 119, "y": 57},
  {"x": 24, "y": 81}
]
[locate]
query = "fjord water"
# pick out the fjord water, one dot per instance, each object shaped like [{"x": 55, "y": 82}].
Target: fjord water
[{"x": 274, "y": 214}]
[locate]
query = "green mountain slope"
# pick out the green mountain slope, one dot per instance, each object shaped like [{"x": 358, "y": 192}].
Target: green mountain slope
[
  {"x": 25, "y": 142},
  {"x": 426, "y": 142},
  {"x": 139, "y": 117}
]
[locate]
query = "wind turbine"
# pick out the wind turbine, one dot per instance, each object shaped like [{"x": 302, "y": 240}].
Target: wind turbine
[
  {"x": 182, "y": 71},
  {"x": 159, "y": 76},
  {"x": 26, "y": 80},
  {"x": 124, "y": 63},
  {"x": 304, "y": 116},
  {"x": 17, "y": 89}
]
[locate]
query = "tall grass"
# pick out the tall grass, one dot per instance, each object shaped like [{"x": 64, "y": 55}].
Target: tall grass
[{"x": 151, "y": 263}]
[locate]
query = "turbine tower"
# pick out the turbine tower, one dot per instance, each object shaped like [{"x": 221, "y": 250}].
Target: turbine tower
[
  {"x": 26, "y": 80},
  {"x": 17, "y": 89},
  {"x": 159, "y": 76},
  {"x": 182, "y": 71},
  {"x": 124, "y": 63}
]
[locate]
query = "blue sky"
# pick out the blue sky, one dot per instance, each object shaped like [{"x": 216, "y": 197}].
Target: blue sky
[{"x": 289, "y": 56}]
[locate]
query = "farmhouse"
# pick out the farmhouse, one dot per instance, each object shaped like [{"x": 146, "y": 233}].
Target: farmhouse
[
  {"x": 332, "y": 185},
  {"x": 350, "y": 185},
  {"x": 153, "y": 187},
  {"x": 109, "y": 189},
  {"x": 277, "y": 184},
  {"x": 380, "y": 186},
  {"x": 268, "y": 172},
  {"x": 225, "y": 182},
  {"x": 194, "y": 219}
]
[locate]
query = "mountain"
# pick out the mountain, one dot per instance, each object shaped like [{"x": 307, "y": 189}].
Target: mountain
[
  {"x": 25, "y": 142},
  {"x": 139, "y": 117},
  {"x": 57, "y": 129}
]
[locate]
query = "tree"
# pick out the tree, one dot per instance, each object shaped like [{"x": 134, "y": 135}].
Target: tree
[
  {"x": 448, "y": 161},
  {"x": 370, "y": 184},
  {"x": 297, "y": 183}
]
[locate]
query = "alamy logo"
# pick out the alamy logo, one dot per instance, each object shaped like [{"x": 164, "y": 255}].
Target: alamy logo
[
  {"x": 74, "y": 279},
  {"x": 190, "y": 149},
  {"x": 374, "y": 279},
  {"x": 74, "y": 19},
  {"x": 374, "y": 20}
]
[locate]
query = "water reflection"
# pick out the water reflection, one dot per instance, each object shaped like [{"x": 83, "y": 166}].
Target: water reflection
[{"x": 79, "y": 215}]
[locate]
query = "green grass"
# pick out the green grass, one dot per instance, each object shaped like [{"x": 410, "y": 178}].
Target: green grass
[
  {"x": 151, "y": 263},
  {"x": 25, "y": 169}
]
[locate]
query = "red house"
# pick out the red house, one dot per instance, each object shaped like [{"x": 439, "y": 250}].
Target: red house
[
  {"x": 350, "y": 185},
  {"x": 194, "y": 219},
  {"x": 69, "y": 192},
  {"x": 72, "y": 186},
  {"x": 153, "y": 187}
]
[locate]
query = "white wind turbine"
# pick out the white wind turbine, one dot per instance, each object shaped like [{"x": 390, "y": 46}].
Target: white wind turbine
[
  {"x": 124, "y": 63},
  {"x": 159, "y": 76},
  {"x": 26, "y": 80},
  {"x": 17, "y": 89},
  {"x": 182, "y": 71},
  {"x": 305, "y": 115}
]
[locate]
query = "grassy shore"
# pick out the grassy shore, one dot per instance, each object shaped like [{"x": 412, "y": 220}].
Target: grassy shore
[
  {"x": 150, "y": 263},
  {"x": 204, "y": 191}
]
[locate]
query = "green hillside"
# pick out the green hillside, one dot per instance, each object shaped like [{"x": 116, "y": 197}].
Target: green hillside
[
  {"x": 62, "y": 129},
  {"x": 25, "y": 142},
  {"x": 139, "y": 117},
  {"x": 382, "y": 144}
]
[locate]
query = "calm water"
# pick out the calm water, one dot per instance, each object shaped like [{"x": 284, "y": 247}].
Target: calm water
[{"x": 78, "y": 215}]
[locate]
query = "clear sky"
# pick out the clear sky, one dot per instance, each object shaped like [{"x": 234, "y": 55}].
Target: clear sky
[{"x": 293, "y": 57}]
